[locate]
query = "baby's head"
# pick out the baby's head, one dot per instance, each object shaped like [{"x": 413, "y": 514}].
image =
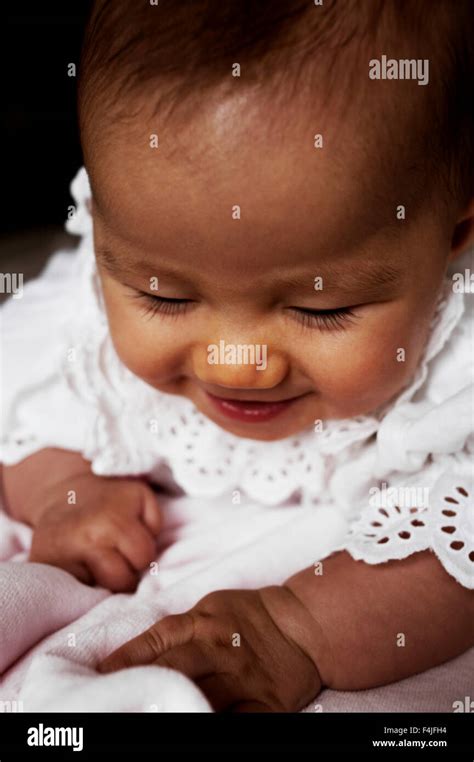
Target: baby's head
[{"x": 272, "y": 224}]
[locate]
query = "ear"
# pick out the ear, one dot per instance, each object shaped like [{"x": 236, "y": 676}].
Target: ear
[{"x": 463, "y": 235}]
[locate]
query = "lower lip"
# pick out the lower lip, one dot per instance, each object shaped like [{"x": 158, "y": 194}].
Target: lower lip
[{"x": 250, "y": 412}]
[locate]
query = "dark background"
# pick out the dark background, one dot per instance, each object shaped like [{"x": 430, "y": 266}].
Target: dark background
[{"x": 39, "y": 142}]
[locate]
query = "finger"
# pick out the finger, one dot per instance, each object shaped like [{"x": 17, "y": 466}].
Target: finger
[
  {"x": 137, "y": 545},
  {"x": 175, "y": 630},
  {"x": 192, "y": 660},
  {"x": 111, "y": 570},
  {"x": 222, "y": 690},
  {"x": 150, "y": 513},
  {"x": 75, "y": 568},
  {"x": 79, "y": 571},
  {"x": 250, "y": 706}
]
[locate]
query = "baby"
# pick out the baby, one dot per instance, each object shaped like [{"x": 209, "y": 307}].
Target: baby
[{"x": 273, "y": 219}]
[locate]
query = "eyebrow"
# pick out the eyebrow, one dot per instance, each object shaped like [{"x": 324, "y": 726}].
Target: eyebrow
[
  {"x": 118, "y": 264},
  {"x": 369, "y": 276}
]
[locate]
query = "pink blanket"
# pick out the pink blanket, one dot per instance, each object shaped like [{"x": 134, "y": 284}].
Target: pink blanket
[{"x": 54, "y": 630}]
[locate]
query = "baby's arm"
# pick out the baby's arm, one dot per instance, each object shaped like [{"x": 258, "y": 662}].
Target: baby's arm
[
  {"x": 353, "y": 627},
  {"x": 385, "y": 622},
  {"x": 25, "y": 484},
  {"x": 101, "y": 529}
]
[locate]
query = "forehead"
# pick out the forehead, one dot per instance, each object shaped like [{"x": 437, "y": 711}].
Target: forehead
[{"x": 242, "y": 185}]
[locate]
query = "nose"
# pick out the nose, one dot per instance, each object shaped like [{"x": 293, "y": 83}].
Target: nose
[{"x": 239, "y": 365}]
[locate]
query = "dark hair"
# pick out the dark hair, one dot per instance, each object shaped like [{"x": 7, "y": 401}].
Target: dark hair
[{"x": 179, "y": 50}]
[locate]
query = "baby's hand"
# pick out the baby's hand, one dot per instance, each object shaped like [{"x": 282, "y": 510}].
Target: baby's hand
[
  {"x": 239, "y": 647},
  {"x": 108, "y": 537}
]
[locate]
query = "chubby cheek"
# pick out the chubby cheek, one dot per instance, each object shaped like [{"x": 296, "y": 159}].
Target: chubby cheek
[
  {"x": 368, "y": 365},
  {"x": 151, "y": 351}
]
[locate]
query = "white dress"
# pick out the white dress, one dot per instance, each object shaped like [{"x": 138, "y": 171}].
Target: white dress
[{"x": 403, "y": 479}]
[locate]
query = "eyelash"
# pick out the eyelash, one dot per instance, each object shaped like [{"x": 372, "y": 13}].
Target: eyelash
[
  {"x": 324, "y": 320},
  {"x": 158, "y": 304}
]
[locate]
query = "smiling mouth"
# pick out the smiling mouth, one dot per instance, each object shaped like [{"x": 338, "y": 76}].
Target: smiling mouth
[{"x": 251, "y": 411}]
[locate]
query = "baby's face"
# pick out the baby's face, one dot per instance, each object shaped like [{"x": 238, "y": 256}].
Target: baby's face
[{"x": 269, "y": 281}]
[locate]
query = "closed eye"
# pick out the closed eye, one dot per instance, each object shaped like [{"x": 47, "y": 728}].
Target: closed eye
[
  {"x": 159, "y": 304},
  {"x": 332, "y": 319},
  {"x": 325, "y": 320}
]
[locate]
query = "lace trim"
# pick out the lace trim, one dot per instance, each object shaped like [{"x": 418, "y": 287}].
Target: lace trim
[{"x": 445, "y": 523}]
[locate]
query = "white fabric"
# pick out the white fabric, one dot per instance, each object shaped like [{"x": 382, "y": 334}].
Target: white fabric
[
  {"x": 54, "y": 630},
  {"x": 66, "y": 628},
  {"x": 65, "y": 386}
]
